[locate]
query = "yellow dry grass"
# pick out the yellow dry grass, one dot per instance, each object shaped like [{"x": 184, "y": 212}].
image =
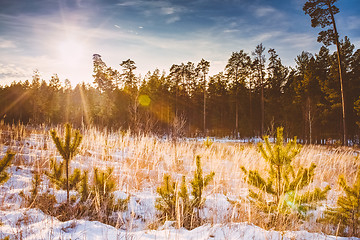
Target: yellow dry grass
[{"x": 139, "y": 162}]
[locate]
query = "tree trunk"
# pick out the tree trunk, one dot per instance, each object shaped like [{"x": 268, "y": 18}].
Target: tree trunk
[
  {"x": 236, "y": 105},
  {"x": 310, "y": 120},
  {"x": 250, "y": 106},
  {"x": 67, "y": 182},
  {"x": 340, "y": 75},
  {"x": 262, "y": 97},
  {"x": 262, "y": 109},
  {"x": 204, "y": 105},
  {"x": 236, "y": 118}
]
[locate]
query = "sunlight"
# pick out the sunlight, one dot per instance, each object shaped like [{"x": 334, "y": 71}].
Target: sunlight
[
  {"x": 73, "y": 58},
  {"x": 70, "y": 52},
  {"x": 85, "y": 117},
  {"x": 14, "y": 103}
]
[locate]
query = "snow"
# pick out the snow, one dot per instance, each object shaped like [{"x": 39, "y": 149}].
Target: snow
[
  {"x": 20, "y": 222},
  {"x": 23, "y": 223},
  {"x": 33, "y": 224}
]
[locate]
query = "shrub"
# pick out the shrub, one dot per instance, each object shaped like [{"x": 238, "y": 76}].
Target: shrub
[{"x": 283, "y": 183}]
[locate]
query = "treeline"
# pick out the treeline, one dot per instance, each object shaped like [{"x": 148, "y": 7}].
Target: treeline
[{"x": 255, "y": 94}]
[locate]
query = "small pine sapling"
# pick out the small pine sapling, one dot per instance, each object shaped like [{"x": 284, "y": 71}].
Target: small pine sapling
[
  {"x": 208, "y": 142},
  {"x": 56, "y": 176},
  {"x": 67, "y": 148},
  {"x": 199, "y": 183},
  {"x": 283, "y": 183},
  {"x": 34, "y": 191},
  {"x": 74, "y": 179},
  {"x": 103, "y": 188},
  {"x": 4, "y": 164},
  {"x": 36, "y": 182},
  {"x": 346, "y": 216},
  {"x": 56, "y": 173},
  {"x": 166, "y": 204},
  {"x": 185, "y": 209},
  {"x": 104, "y": 183},
  {"x": 175, "y": 203},
  {"x": 84, "y": 187},
  {"x": 44, "y": 201}
]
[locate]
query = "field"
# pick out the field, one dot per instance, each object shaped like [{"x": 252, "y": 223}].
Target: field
[{"x": 139, "y": 164}]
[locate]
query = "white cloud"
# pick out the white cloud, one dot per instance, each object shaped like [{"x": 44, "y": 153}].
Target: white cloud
[
  {"x": 168, "y": 10},
  {"x": 12, "y": 72},
  {"x": 267, "y": 36},
  {"x": 265, "y": 11},
  {"x": 115, "y": 42},
  {"x": 128, "y": 3},
  {"x": 7, "y": 43},
  {"x": 173, "y": 19},
  {"x": 299, "y": 40},
  {"x": 231, "y": 30}
]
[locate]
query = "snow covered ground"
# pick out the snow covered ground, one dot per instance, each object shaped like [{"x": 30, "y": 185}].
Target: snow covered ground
[
  {"x": 33, "y": 224},
  {"x": 20, "y": 222}
]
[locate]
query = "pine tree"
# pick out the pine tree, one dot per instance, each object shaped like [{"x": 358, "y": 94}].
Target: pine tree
[
  {"x": 68, "y": 149},
  {"x": 103, "y": 189},
  {"x": 56, "y": 173},
  {"x": 322, "y": 13},
  {"x": 84, "y": 187},
  {"x": 283, "y": 183},
  {"x": 175, "y": 203},
  {"x": 4, "y": 164},
  {"x": 259, "y": 66},
  {"x": 238, "y": 70},
  {"x": 357, "y": 109},
  {"x": 35, "y": 185},
  {"x": 186, "y": 209},
  {"x": 104, "y": 184},
  {"x": 56, "y": 176},
  {"x": 166, "y": 204},
  {"x": 346, "y": 216},
  {"x": 208, "y": 142},
  {"x": 199, "y": 183}
]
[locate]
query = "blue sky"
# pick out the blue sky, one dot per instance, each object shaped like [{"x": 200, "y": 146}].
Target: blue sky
[{"x": 60, "y": 36}]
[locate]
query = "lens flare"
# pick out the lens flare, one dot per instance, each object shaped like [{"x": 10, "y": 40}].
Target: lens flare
[{"x": 144, "y": 100}]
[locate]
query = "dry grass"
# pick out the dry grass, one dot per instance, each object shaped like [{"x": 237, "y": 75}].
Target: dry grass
[{"x": 139, "y": 162}]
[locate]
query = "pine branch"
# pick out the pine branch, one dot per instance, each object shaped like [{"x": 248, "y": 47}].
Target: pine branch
[
  {"x": 313, "y": 196},
  {"x": 4, "y": 164}
]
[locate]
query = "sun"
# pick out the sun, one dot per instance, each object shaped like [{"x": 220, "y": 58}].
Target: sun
[
  {"x": 70, "y": 52},
  {"x": 72, "y": 59}
]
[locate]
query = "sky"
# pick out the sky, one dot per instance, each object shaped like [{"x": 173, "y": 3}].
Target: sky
[{"x": 60, "y": 36}]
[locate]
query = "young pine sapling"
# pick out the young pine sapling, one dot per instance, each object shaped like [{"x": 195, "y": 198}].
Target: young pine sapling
[{"x": 68, "y": 148}]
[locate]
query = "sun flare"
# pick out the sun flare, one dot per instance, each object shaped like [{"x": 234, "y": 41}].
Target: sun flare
[{"x": 70, "y": 52}]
